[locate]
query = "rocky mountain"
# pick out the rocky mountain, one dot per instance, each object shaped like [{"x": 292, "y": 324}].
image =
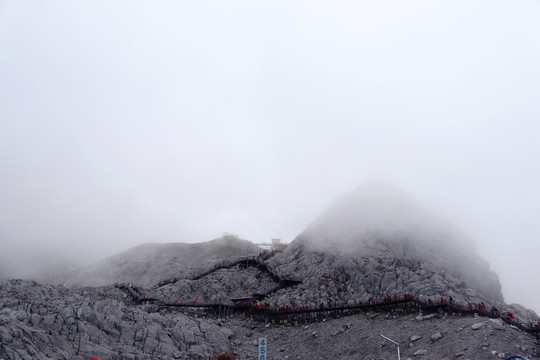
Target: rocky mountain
[
  {"x": 148, "y": 264},
  {"x": 377, "y": 241},
  {"x": 373, "y": 244}
]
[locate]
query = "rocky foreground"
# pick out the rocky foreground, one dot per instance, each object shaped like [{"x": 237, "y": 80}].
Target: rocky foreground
[
  {"x": 49, "y": 322},
  {"x": 52, "y": 322}
]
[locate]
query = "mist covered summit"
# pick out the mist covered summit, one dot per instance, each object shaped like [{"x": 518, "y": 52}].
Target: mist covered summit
[
  {"x": 377, "y": 240},
  {"x": 376, "y": 210}
]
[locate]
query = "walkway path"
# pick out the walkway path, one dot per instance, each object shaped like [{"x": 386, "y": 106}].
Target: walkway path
[{"x": 304, "y": 312}]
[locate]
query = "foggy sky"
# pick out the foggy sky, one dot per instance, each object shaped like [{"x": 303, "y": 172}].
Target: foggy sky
[{"x": 129, "y": 122}]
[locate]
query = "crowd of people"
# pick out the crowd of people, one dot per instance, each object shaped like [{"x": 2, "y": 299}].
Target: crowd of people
[
  {"x": 167, "y": 281},
  {"x": 480, "y": 307},
  {"x": 250, "y": 303},
  {"x": 387, "y": 299},
  {"x": 140, "y": 292}
]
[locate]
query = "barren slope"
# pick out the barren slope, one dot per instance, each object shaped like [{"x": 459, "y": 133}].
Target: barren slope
[{"x": 148, "y": 264}]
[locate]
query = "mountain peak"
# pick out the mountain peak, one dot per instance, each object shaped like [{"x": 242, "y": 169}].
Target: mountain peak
[
  {"x": 380, "y": 208},
  {"x": 414, "y": 247}
]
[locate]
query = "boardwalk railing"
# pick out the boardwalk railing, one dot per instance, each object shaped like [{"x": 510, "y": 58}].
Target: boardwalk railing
[
  {"x": 306, "y": 313},
  {"x": 255, "y": 261}
]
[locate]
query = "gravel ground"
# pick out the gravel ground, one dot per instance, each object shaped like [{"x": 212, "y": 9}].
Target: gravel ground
[{"x": 357, "y": 337}]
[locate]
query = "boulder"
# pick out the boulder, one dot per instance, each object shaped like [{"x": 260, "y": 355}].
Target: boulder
[{"x": 477, "y": 326}]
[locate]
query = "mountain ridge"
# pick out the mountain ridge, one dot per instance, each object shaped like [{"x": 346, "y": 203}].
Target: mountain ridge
[{"x": 147, "y": 264}]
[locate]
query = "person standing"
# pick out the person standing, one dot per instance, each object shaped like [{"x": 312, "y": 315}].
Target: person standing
[{"x": 510, "y": 315}]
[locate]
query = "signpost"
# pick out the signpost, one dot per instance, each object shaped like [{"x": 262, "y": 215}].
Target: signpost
[
  {"x": 262, "y": 349},
  {"x": 393, "y": 342}
]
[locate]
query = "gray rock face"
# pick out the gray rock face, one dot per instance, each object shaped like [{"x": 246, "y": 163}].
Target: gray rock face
[{"x": 223, "y": 284}]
